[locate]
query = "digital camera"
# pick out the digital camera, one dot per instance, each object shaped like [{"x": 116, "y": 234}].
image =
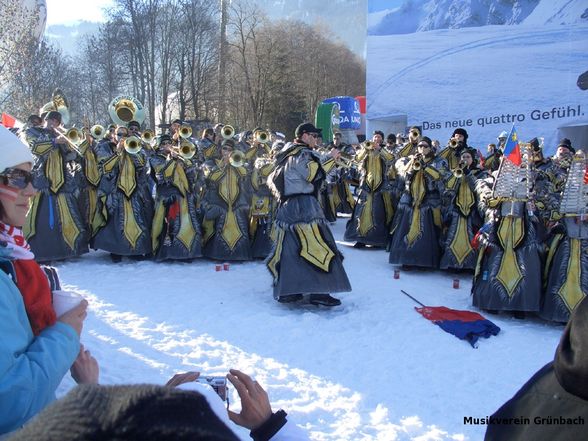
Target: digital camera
[{"x": 219, "y": 384}]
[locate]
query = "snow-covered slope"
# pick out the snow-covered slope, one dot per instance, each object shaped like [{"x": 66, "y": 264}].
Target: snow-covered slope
[{"x": 373, "y": 369}]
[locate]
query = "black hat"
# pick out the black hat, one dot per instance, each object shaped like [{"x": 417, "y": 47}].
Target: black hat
[
  {"x": 53, "y": 115},
  {"x": 177, "y": 121},
  {"x": 391, "y": 138},
  {"x": 228, "y": 143},
  {"x": 164, "y": 137},
  {"x": 535, "y": 144},
  {"x": 565, "y": 142},
  {"x": 134, "y": 123},
  {"x": 128, "y": 413},
  {"x": 305, "y": 128},
  {"x": 462, "y": 132},
  {"x": 427, "y": 140}
]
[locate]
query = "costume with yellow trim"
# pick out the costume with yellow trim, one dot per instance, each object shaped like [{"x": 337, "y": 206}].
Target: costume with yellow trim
[
  {"x": 305, "y": 258},
  {"x": 55, "y": 227},
  {"x": 508, "y": 269},
  {"x": 461, "y": 219},
  {"x": 125, "y": 206},
  {"x": 226, "y": 212},
  {"x": 417, "y": 226},
  {"x": 176, "y": 232},
  {"x": 374, "y": 209},
  {"x": 263, "y": 207}
]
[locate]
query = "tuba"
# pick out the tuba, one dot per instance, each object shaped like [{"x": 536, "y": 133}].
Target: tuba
[
  {"x": 124, "y": 109},
  {"x": 59, "y": 104},
  {"x": 237, "y": 158},
  {"x": 228, "y": 132},
  {"x": 133, "y": 145}
]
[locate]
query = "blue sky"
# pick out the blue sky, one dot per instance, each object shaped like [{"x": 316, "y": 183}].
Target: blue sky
[{"x": 380, "y": 5}]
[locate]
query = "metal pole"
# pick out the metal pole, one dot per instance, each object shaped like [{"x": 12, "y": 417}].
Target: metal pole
[{"x": 222, "y": 60}]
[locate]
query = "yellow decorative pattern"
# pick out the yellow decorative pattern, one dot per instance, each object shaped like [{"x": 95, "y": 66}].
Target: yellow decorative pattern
[
  {"x": 417, "y": 190},
  {"x": 437, "y": 219},
  {"x": 365, "y": 222},
  {"x": 207, "y": 230},
  {"x": 374, "y": 170},
  {"x": 180, "y": 180},
  {"x": 571, "y": 291},
  {"x": 92, "y": 206},
  {"x": 131, "y": 229},
  {"x": 313, "y": 247},
  {"x": 92, "y": 172},
  {"x": 550, "y": 253},
  {"x": 29, "y": 229},
  {"x": 99, "y": 216},
  {"x": 187, "y": 233},
  {"x": 69, "y": 229},
  {"x": 229, "y": 187},
  {"x": 157, "y": 225},
  {"x": 40, "y": 148},
  {"x": 274, "y": 260},
  {"x": 509, "y": 274},
  {"x": 388, "y": 207},
  {"x": 126, "y": 177},
  {"x": 313, "y": 168},
  {"x": 231, "y": 233},
  {"x": 460, "y": 245},
  {"x": 110, "y": 163},
  {"x": 465, "y": 198},
  {"x": 54, "y": 170}
]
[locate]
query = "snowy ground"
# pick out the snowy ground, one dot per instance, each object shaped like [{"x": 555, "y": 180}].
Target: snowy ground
[{"x": 372, "y": 369}]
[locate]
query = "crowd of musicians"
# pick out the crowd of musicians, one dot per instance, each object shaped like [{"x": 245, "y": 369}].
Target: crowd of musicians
[{"x": 521, "y": 229}]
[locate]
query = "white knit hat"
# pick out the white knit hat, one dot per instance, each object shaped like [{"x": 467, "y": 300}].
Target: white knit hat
[{"x": 12, "y": 150}]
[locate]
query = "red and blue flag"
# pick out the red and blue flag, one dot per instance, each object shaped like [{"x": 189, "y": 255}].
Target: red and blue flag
[
  {"x": 465, "y": 325},
  {"x": 512, "y": 150}
]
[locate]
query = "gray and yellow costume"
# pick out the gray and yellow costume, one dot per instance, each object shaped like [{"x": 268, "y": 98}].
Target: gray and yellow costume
[
  {"x": 416, "y": 228},
  {"x": 125, "y": 206},
  {"x": 263, "y": 209},
  {"x": 176, "y": 233},
  {"x": 55, "y": 227},
  {"x": 305, "y": 258},
  {"x": 226, "y": 212},
  {"x": 374, "y": 210}
]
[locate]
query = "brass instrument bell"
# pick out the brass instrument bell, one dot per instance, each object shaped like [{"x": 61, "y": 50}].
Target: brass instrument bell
[
  {"x": 187, "y": 149},
  {"x": 237, "y": 158},
  {"x": 132, "y": 145},
  {"x": 228, "y": 132},
  {"x": 148, "y": 137},
  {"x": 369, "y": 145},
  {"x": 185, "y": 131},
  {"x": 124, "y": 109},
  {"x": 453, "y": 143},
  {"x": 59, "y": 104},
  {"x": 75, "y": 135},
  {"x": 262, "y": 136},
  {"x": 97, "y": 131}
]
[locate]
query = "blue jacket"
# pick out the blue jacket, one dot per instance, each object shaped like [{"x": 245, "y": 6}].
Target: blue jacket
[{"x": 31, "y": 368}]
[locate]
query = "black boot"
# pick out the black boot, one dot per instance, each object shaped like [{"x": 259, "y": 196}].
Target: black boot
[
  {"x": 323, "y": 299},
  {"x": 290, "y": 299},
  {"x": 116, "y": 258}
]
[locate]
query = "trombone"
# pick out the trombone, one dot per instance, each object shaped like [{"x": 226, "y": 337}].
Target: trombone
[{"x": 73, "y": 136}]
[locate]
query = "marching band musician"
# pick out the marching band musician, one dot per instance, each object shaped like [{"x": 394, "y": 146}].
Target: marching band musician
[
  {"x": 125, "y": 201},
  {"x": 374, "y": 209},
  {"x": 305, "y": 258},
  {"x": 566, "y": 267},
  {"x": 262, "y": 207},
  {"x": 343, "y": 200},
  {"x": 207, "y": 148},
  {"x": 416, "y": 228},
  {"x": 176, "y": 233},
  {"x": 226, "y": 207},
  {"x": 410, "y": 147},
  {"x": 456, "y": 145},
  {"x": 461, "y": 217},
  {"x": 55, "y": 227},
  {"x": 508, "y": 270}
]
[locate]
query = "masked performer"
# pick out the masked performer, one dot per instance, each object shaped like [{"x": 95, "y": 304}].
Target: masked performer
[
  {"x": 416, "y": 229},
  {"x": 125, "y": 202},
  {"x": 55, "y": 227},
  {"x": 226, "y": 207},
  {"x": 305, "y": 259},
  {"x": 373, "y": 211}
]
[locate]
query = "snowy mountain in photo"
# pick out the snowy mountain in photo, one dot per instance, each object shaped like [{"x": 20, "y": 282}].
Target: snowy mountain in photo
[{"x": 427, "y": 15}]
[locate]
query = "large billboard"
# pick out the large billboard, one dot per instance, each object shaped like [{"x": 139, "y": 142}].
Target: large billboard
[{"x": 481, "y": 65}]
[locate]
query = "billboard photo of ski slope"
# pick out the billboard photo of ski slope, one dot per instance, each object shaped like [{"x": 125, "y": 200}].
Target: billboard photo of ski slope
[{"x": 481, "y": 65}]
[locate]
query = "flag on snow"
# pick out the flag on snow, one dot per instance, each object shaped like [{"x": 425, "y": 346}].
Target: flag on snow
[
  {"x": 465, "y": 325},
  {"x": 512, "y": 150}
]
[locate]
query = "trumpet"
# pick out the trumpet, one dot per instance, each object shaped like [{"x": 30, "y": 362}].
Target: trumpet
[
  {"x": 346, "y": 160},
  {"x": 417, "y": 162},
  {"x": 97, "y": 131},
  {"x": 458, "y": 172},
  {"x": 187, "y": 149},
  {"x": 228, "y": 132},
  {"x": 237, "y": 158},
  {"x": 414, "y": 134},
  {"x": 262, "y": 136},
  {"x": 185, "y": 131},
  {"x": 148, "y": 137},
  {"x": 132, "y": 145},
  {"x": 369, "y": 145},
  {"x": 453, "y": 143}
]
